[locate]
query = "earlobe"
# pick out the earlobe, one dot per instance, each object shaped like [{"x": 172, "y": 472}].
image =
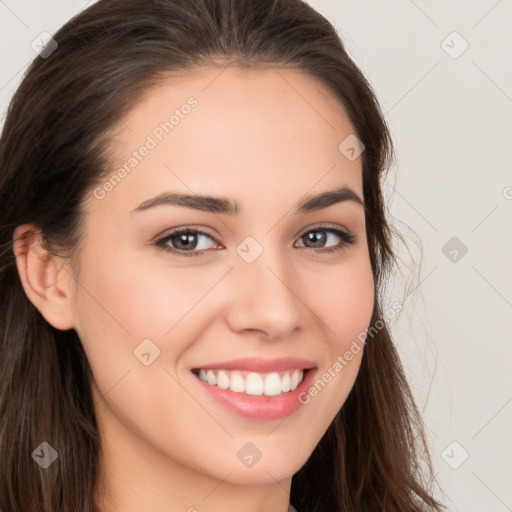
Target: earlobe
[{"x": 44, "y": 277}]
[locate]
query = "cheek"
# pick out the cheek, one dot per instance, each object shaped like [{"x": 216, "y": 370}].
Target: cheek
[
  {"x": 343, "y": 299},
  {"x": 346, "y": 307},
  {"x": 125, "y": 302},
  {"x": 346, "y": 301},
  {"x": 137, "y": 300}
]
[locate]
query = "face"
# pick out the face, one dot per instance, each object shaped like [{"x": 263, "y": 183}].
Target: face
[{"x": 175, "y": 285}]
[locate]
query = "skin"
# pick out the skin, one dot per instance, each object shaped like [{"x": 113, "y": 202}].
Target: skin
[{"x": 266, "y": 139}]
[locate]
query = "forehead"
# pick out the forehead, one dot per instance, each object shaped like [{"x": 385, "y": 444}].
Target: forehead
[{"x": 226, "y": 130}]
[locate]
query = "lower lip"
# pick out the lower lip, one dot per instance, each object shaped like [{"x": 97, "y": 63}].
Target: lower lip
[{"x": 260, "y": 407}]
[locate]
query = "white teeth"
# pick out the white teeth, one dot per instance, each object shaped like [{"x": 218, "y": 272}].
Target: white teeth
[
  {"x": 295, "y": 379},
  {"x": 222, "y": 380},
  {"x": 285, "y": 383},
  {"x": 273, "y": 384},
  {"x": 237, "y": 383},
  {"x": 252, "y": 383},
  {"x": 210, "y": 377}
]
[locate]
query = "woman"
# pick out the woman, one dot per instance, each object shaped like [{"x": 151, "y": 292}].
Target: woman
[{"x": 194, "y": 246}]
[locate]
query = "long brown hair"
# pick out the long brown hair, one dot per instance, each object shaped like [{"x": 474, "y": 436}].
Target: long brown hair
[{"x": 54, "y": 150}]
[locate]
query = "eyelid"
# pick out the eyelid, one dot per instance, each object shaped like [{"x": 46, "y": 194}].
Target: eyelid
[
  {"x": 323, "y": 225},
  {"x": 187, "y": 228}
]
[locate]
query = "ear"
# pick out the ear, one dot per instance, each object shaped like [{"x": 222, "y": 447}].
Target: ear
[{"x": 44, "y": 276}]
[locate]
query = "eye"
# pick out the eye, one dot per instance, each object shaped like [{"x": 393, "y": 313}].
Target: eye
[
  {"x": 185, "y": 240},
  {"x": 321, "y": 235},
  {"x": 188, "y": 241}
]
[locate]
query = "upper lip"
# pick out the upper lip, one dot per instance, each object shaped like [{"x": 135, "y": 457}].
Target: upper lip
[{"x": 257, "y": 364}]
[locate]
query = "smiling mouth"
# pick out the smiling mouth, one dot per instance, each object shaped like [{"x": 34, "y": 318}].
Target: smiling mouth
[{"x": 253, "y": 383}]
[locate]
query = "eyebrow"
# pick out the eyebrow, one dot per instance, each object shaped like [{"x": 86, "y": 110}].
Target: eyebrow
[{"x": 223, "y": 205}]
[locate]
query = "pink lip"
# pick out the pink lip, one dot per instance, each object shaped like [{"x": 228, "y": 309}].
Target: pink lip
[
  {"x": 260, "y": 407},
  {"x": 257, "y": 364}
]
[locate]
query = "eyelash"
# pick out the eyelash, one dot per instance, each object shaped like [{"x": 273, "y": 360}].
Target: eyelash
[{"x": 347, "y": 238}]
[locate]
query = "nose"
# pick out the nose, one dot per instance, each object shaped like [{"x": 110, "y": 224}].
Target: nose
[{"x": 264, "y": 297}]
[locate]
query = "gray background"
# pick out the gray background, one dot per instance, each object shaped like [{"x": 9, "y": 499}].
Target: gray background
[{"x": 450, "y": 115}]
